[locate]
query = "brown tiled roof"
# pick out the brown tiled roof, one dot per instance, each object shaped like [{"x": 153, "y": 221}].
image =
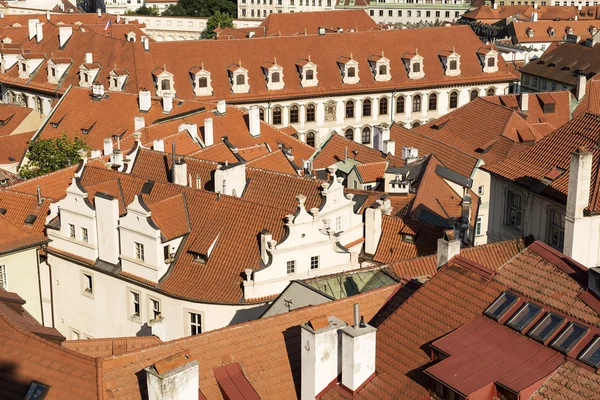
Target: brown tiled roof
[
  {"x": 541, "y": 30},
  {"x": 530, "y": 167},
  {"x": 14, "y": 147},
  {"x": 107, "y": 347},
  {"x": 218, "y": 152},
  {"x": 488, "y": 15},
  {"x": 19, "y": 206},
  {"x": 53, "y": 185},
  {"x": 275, "y": 161},
  {"x": 590, "y": 102},
  {"x": 14, "y": 238},
  {"x": 373, "y": 171},
  {"x": 288, "y": 25},
  {"x": 171, "y": 216},
  {"x": 252, "y": 152},
  {"x": 270, "y": 356},
  {"x": 570, "y": 382},
  {"x": 12, "y": 116}
]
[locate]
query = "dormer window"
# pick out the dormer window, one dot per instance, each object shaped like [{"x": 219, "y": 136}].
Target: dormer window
[
  {"x": 349, "y": 70},
  {"x": 491, "y": 62},
  {"x": 488, "y": 58},
  {"x": 382, "y": 70},
  {"x": 451, "y": 62},
  {"x": 117, "y": 78},
  {"x": 413, "y": 63},
  {"x": 453, "y": 65},
  {"x": 53, "y": 72},
  {"x": 569, "y": 30},
  {"x": 130, "y": 36},
  {"x": 164, "y": 82},
  {"x": 529, "y": 32},
  {"x": 593, "y": 30},
  {"x": 88, "y": 73},
  {"x": 238, "y": 78},
  {"x": 202, "y": 81},
  {"x": 551, "y": 32},
  {"x": 274, "y": 75},
  {"x": 308, "y": 72},
  {"x": 380, "y": 66},
  {"x": 310, "y": 75}
]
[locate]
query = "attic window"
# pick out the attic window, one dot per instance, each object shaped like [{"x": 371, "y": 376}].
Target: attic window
[
  {"x": 201, "y": 258},
  {"x": 275, "y": 77},
  {"x": 165, "y": 84},
  {"x": 551, "y": 32},
  {"x": 591, "y": 355},
  {"x": 351, "y": 72},
  {"x": 310, "y": 75},
  {"x": 501, "y": 305},
  {"x": 491, "y": 62},
  {"x": 85, "y": 131},
  {"x": 453, "y": 65},
  {"x": 203, "y": 82},
  {"x": 569, "y": 337},
  {"x": 546, "y": 327},
  {"x": 408, "y": 238},
  {"x": 383, "y": 70},
  {"x": 30, "y": 219},
  {"x": 2, "y": 211},
  {"x": 3, "y": 183},
  {"x": 36, "y": 391},
  {"x": 417, "y": 67},
  {"x": 524, "y": 316},
  {"x": 240, "y": 79}
]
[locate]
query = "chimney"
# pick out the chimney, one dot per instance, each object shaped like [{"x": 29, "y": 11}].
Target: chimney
[
  {"x": 137, "y": 137},
  {"x": 208, "y": 132},
  {"x": 577, "y": 226},
  {"x": 191, "y": 128},
  {"x": 389, "y": 147},
  {"x": 524, "y": 102},
  {"x": 48, "y": 15},
  {"x": 580, "y": 89},
  {"x": 534, "y": 17},
  {"x": 39, "y": 196},
  {"x": 358, "y": 352},
  {"x": 117, "y": 157},
  {"x": 221, "y": 107},
  {"x": 99, "y": 12},
  {"x": 64, "y": 33},
  {"x": 139, "y": 122},
  {"x": 495, "y": 6},
  {"x": 230, "y": 179},
  {"x": 579, "y": 7},
  {"x": 83, "y": 155},
  {"x": 95, "y": 154},
  {"x": 320, "y": 358},
  {"x": 97, "y": 90},
  {"x": 39, "y": 32},
  {"x": 373, "y": 219},
  {"x": 118, "y": 19},
  {"x": 265, "y": 238},
  {"x": 107, "y": 223},
  {"x": 146, "y": 43},
  {"x": 525, "y": 58},
  {"x": 158, "y": 145},
  {"x": 108, "y": 146},
  {"x": 447, "y": 247},
  {"x": 31, "y": 25},
  {"x": 89, "y": 58},
  {"x": 535, "y": 6},
  {"x": 145, "y": 100},
  {"x": 180, "y": 172},
  {"x": 321, "y": 30},
  {"x": 173, "y": 378},
  {"x": 254, "y": 121},
  {"x": 167, "y": 103}
]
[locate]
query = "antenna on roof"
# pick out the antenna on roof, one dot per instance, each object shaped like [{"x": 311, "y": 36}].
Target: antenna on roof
[
  {"x": 351, "y": 56},
  {"x": 309, "y": 58}
]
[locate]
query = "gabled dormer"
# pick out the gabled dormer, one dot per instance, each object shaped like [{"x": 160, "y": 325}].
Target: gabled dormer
[
  {"x": 57, "y": 68},
  {"x": 117, "y": 78},
  {"x": 529, "y": 32},
  {"x": 165, "y": 85},
  {"x": 451, "y": 62},
  {"x": 88, "y": 71},
  {"x": 308, "y": 72},
  {"x": 413, "y": 63},
  {"x": 202, "y": 81},
  {"x": 569, "y": 30},
  {"x": 488, "y": 58},
  {"x": 348, "y": 69},
  {"x": 593, "y": 30},
  {"x": 5, "y": 39},
  {"x": 238, "y": 78},
  {"x": 29, "y": 62},
  {"x": 273, "y": 75},
  {"x": 9, "y": 57},
  {"x": 131, "y": 36},
  {"x": 551, "y": 31},
  {"x": 380, "y": 67}
]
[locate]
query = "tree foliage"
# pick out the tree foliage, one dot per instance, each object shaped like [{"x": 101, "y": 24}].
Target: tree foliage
[
  {"x": 486, "y": 32},
  {"x": 143, "y": 10},
  {"x": 47, "y": 155},
  {"x": 174, "y": 10},
  {"x": 217, "y": 20},
  {"x": 207, "y": 8}
]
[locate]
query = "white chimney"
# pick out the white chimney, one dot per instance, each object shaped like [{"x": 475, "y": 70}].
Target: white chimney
[
  {"x": 389, "y": 147},
  {"x": 31, "y": 24},
  {"x": 579, "y": 7},
  {"x": 108, "y": 146},
  {"x": 524, "y": 102},
  {"x": 320, "y": 358},
  {"x": 230, "y": 179},
  {"x": 168, "y": 383},
  {"x": 89, "y": 58},
  {"x": 526, "y": 58},
  {"x": 580, "y": 89},
  {"x": 410, "y": 154},
  {"x": 146, "y": 43},
  {"x": 577, "y": 226},
  {"x": 191, "y": 128},
  {"x": 209, "y": 139},
  {"x": 158, "y": 145},
  {"x": 118, "y": 19},
  {"x": 358, "y": 352},
  {"x": 221, "y": 107},
  {"x": 265, "y": 239},
  {"x": 139, "y": 122},
  {"x": 534, "y": 17},
  {"x": 97, "y": 90},
  {"x": 145, "y": 100},
  {"x": 180, "y": 176},
  {"x": 254, "y": 121},
  {"x": 167, "y": 103},
  {"x": 117, "y": 157},
  {"x": 95, "y": 154},
  {"x": 535, "y": 6},
  {"x": 373, "y": 219},
  {"x": 48, "y": 15},
  {"x": 107, "y": 223},
  {"x": 495, "y": 6},
  {"x": 99, "y": 12},
  {"x": 39, "y": 32},
  {"x": 447, "y": 247},
  {"x": 64, "y": 33}
]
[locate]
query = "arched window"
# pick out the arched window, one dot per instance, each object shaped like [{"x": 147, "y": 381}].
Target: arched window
[
  {"x": 366, "y": 108},
  {"x": 432, "y": 102},
  {"x": 310, "y": 113},
  {"x": 383, "y": 106},
  {"x": 491, "y": 62},
  {"x": 453, "y": 100},
  {"x": 417, "y": 103},
  {"x": 261, "y": 114},
  {"x": 165, "y": 84},
  {"x": 240, "y": 79},
  {"x": 474, "y": 94},
  {"x": 400, "y": 105},
  {"x": 453, "y": 65},
  {"x": 310, "y": 139},
  {"x": 415, "y": 124},
  {"x": 294, "y": 115},
  {"x": 366, "y": 135},
  {"x": 491, "y": 91},
  {"x": 277, "y": 116},
  {"x": 351, "y": 72},
  {"x": 203, "y": 82},
  {"x": 275, "y": 77},
  {"x": 38, "y": 104},
  {"x": 350, "y": 109},
  {"x": 349, "y": 133}
]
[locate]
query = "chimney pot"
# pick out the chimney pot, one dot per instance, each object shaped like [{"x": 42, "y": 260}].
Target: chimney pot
[
  {"x": 99, "y": 12},
  {"x": 145, "y": 100}
]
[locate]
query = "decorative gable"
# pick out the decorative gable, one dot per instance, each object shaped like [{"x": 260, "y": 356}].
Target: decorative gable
[
  {"x": 551, "y": 32},
  {"x": 238, "y": 78},
  {"x": 593, "y": 30},
  {"x": 413, "y": 63},
  {"x": 380, "y": 67},
  {"x": 308, "y": 72},
  {"x": 131, "y": 36},
  {"x": 488, "y": 58},
  {"x": 165, "y": 86},
  {"x": 451, "y": 62},
  {"x": 117, "y": 78},
  {"x": 57, "y": 68},
  {"x": 28, "y": 63},
  {"x": 348, "y": 69},
  {"x": 274, "y": 75},
  {"x": 529, "y": 32},
  {"x": 202, "y": 81},
  {"x": 88, "y": 73}
]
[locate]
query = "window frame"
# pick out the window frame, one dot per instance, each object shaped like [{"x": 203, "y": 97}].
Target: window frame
[
  {"x": 152, "y": 301},
  {"x": 432, "y": 96},
  {"x": 314, "y": 262},
  {"x": 362, "y": 135},
  {"x": 84, "y": 235},
  {"x": 294, "y": 114},
  {"x": 565, "y": 335},
  {"x": 453, "y": 100},
  {"x": 190, "y": 323},
  {"x": 131, "y": 304},
  {"x": 400, "y": 104},
  {"x": 311, "y": 113},
  {"x": 509, "y": 209},
  {"x": 277, "y": 115},
  {"x": 369, "y": 109},
  {"x": 383, "y": 106},
  {"x": 291, "y": 267},
  {"x": 71, "y": 231},
  {"x": 349, "y": 106},
  {"x": 417, "y": 103},
  {"x": 3, "y": 277},
  {"x": 243, "y": 79},
  {"x": 553, "y": 228},
  {"x": 139, "y": 252},
  {"x": 87, "y": 284}
]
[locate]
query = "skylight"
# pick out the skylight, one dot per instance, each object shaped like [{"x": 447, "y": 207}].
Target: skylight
[
  {"x": 36, "y": 391},
  {"x": 546, "y": 327},
  {"x": 569, "y": 337},
  {"x": 501, "y": 305},
  {"x": 591, "y": 355},
  {"x": 526, "y": 314}
]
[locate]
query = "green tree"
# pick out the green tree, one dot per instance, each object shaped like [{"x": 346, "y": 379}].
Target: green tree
[
  {"x": 174, "y": 10},
  {"x": 217, "y": 20},
  {"x": 47, "y": 155},
  {"x": 143, "y": 10},
  {"x": 206, "y": 8}
]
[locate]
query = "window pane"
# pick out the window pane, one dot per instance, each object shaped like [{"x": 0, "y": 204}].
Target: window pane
[
  {"x": 546, "y": 327},
  {"x": 501, "y": 305},
  {"x": 569, "y": 337},
  {"x": 524, "y": 316},
  {"x": 591, "y": 355}
]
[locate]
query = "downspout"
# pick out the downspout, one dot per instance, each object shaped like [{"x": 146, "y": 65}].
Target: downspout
[
  {"x": 37, "y": 258},
  {"x": 51, "y": 291}
]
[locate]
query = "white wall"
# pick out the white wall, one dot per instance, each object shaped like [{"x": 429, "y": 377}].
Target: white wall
[{"x": 22, "y": 278}]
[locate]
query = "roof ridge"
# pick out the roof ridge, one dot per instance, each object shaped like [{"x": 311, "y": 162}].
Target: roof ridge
[
  {"x": 438, "y": 141},
  {"x": 46, "y": 175}
]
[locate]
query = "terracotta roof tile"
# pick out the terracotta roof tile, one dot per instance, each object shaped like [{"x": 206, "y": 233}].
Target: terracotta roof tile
[
  {"x": 53, "y": 185},
  {"x": 373, "y": 171},
  {"x": 570, "y": 382},
  {"x": 171, "y": 216},
  {"x": 14, "y": 238},
  {"x": 275, "y": 161},
  {"x": 12, "y": 116},
  {"x": 14, "y": 147},
  {"x": 288, "y": 24},
  {"x": 19, "y": 206},
  {"x": 110, "y": 346}
]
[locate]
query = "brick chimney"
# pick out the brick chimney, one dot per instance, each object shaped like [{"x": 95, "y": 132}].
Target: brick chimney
[
  {"x": 173, "y": 378},
  {"x": 577, "y": 226},
  {"x": 254, "y": 121},
  {"x": 208, "y": 132},
  {"x": 145, "y": 100},
  {"x": 373, "y": 219},
  {"x": 447, "y": 247},
  {"x": 64, "y": 33},
  {"x": 358, "y": 352}
]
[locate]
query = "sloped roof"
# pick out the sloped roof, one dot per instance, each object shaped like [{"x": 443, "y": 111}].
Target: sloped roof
[
  {"x": 287, "y": 24},
  {"x": 107, "y": 347},
  {"x": 14, "y": 147},
  {"x": 12, "y": 116},
  {"x": 275, "y": 161},
  {"x": 373, "y": 171},
  {"x": 14, "y": 238},
  {"x": 590, "y": 102},
  {"x": 541, "y": 28}
]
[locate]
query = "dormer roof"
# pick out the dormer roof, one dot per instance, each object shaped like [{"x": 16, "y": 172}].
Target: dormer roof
[
  {"x": 57, "y": 61},
  {"x": 271, "y": 64},
  {"x": 33, "y": 56},
  {"x": 410, "y": 56},
  {"x": 90, "y": 66},
  {"x": 378, "y": 57},
  {"x": 346, "y": 60},
  {"x": 236, "y": 68},
  {"x": 119, "y": 72},
  {"x": 197, "y": 69},
  {"x": 484, "y": 50},
  {"x": 159, "y": 72}
]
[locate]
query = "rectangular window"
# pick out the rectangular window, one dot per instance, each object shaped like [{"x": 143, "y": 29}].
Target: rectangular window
[
  {"x": 480, "y": 190},
  {"x": 167, "y": 253},
  {"x": 84, "y": 234},
  {"x": 524, "y": 316},
  {"x": 514, "y": 213},
  {"x": 3, "y": 278},
  {"x": 291, "y": 267},
  {"x": 195, "y": 324},
  {"x": 554, "y": 86},
  {"x": 569, "y": 337},
  {"x": 428, "y": 14},
  {"x": 399, "y": 13},
  {"x": 139, "y": 251},
  {"x": 437, "y": 14},
  {"x": 546, "y": 327},
  {"x": 556, "y": 230},
  {"x": 155, "y": 309},
  {"x": 74, "y": 335},
  {"x": 544, "y": 84},
  {"x": 591, "y": 355},
  {"x": 390, "y": 13},
  {"x": 381, "y": 13},
  {"x": 72, "y": 231},
  {"x": 372, "y": 13},
  {"x": 535, "y": 83},
  {"x": 314, "y": 262},
  {"x": 527, "y": 79},
  {"x": 339, "y": 224},
  {"x": 88, "y": 283},
  {"x": 135, "y": 304},
  {"x": 447, "y": 14},
  {"x": 501, "y": 305},
  {"x": 478, "y": 227},
  {"x": 418, "y": 14}
]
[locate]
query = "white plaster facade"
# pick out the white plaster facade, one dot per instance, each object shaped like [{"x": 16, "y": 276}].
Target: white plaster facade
[
  {"x": 261, "y": 9},
  {"x": 412, "y": 11}
]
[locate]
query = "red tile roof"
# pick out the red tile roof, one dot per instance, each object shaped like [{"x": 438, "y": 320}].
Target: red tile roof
[
  {"x": 53, "y": 185},
  {"x": 19, "y": 206},
  {"x": 287, "y": 24},
  {"x": 541, "y": 30},
  {"x": 12, "y": 116},
  {"x": 591, "y": 100},
  {"x": 570, "y": 382},
  {"x": 275, "y": 161},
  {"x": 14, "y": 238},
  {"x": 110, "y": 346},
  {"x": 233, "y": 382},
  {"x": 14, "y": 147},
  {"x": 372, "y": 172}
]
